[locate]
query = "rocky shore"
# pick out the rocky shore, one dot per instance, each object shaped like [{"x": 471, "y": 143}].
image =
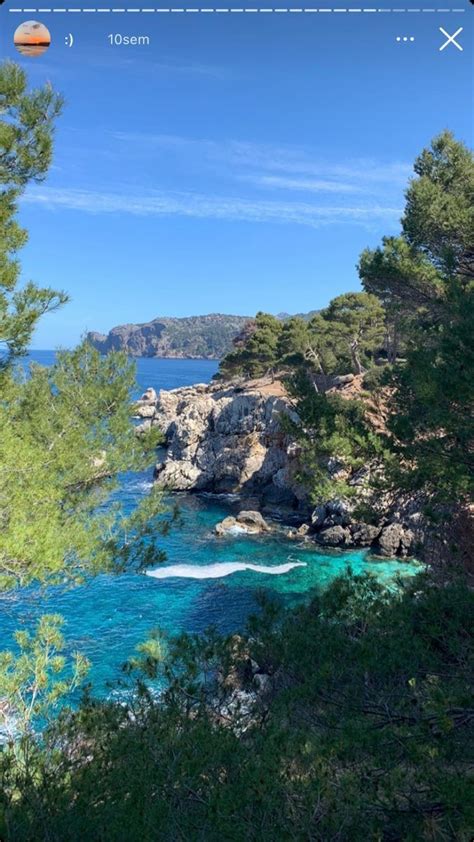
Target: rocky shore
[{"x": 228, "y": 438}]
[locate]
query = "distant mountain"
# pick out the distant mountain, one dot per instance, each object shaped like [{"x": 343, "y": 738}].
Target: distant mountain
[
  {"x": 195, "y": 337},
  {"x": 306, "y": 316}
]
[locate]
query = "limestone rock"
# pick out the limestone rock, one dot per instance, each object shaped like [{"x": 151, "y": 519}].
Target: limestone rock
[
  {"x": 334, "y": 536},
  {"x": 230, "y": 526},
  {"x": 364, "y": 534},
  {"x": 246, "y": 523},
  {"x": 143, "y": 428},
  {"x": 343, "y": 379},
  {"x": 262, "y": 683},
  {"x": 254, "y": 520},
  {"x": 394, "y": 540},
  {"x": 149, "y": 396},
  {"x": 144, "y": 410},
  {"x": 303, "y": 530},
  {"x": 318, "y": 516},
  {"x": 191, "y": 337},
  {"x": 227, "y": 438}
]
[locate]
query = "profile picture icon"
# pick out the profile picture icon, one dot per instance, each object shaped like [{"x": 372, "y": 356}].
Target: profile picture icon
[{"x": 32, "y": 38}]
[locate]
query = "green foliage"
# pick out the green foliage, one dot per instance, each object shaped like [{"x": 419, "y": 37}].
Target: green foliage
[
  {"x": 26, "y": 127},
  {"x": 367, "y": 734},
  {"x": 432, "y": 406},
  {"x": 324, "y": 354},
  {"x": 439, "y": 215},
  {"x": 65, "y": 436},
  {"x": 426, "y": 277},
  {"x": 406, "y": 283},
  {"x": 26, "y": 136},
  {"x": 377, "y": 377},
  {"x": 257, "y": 353},
  {"x": 335, "y": 437},
  {"x": 35, "y": 679},
  {"x": 355, "y": 328},
  {"x": 293, "y": 342},
  {"x": 343, "y": 337},
  {"x": 65, "y": 432}
]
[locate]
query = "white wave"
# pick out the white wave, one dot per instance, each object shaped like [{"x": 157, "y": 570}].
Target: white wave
[
  {"x": 139, "y": 485},
  {"x": 216, "y": 571}
]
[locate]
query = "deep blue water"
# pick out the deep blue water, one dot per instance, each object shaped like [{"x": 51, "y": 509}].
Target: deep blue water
[
  {"x": 158, "y": 373},
  {"x": 108, "y": 617}
]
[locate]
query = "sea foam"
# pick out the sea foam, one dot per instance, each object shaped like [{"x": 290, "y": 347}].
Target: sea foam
[{"x": 216, "y": 571}]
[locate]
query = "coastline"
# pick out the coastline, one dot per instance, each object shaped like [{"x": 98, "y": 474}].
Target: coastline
[{"x": 231, "y": 438}]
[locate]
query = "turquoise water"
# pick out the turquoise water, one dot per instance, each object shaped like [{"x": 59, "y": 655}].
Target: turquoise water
[{"x": 106, "y": 618}]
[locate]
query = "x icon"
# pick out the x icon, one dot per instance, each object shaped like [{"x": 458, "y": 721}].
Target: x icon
[{"x": 451, "y": 39}]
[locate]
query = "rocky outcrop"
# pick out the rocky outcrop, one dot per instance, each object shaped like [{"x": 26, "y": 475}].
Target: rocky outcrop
[
  {"x": 228, "y": 439},
  {"x": 394, "y": 539},
  {"x": 334, "y": 525},
  {"x": 247, "y": 523},
  {"x": 231, "y": 438},
  {"x": 145, "y": 407}
]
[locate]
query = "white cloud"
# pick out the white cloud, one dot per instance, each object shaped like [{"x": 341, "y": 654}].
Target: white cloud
[
  {"x": 305, "y": 185},
  {"x": 273, "y": 166},
  {"x": 201, "y": 206},
  {"x": 305, "y": 162}
]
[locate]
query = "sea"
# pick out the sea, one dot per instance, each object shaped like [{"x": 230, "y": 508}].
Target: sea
[{"x": 206, "y": 581}]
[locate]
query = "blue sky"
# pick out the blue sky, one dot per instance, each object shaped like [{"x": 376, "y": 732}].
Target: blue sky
[{"x": 238, "y": 163}]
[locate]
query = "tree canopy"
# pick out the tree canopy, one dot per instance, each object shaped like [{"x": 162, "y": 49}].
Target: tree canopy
[
  {"x": 255, "y": 351},
  {"x": 65, "y": 431},
  {"x": 425, "y": 278},
  {"x": 27, "y": 122},
  {"x": 343, "y": 337}
]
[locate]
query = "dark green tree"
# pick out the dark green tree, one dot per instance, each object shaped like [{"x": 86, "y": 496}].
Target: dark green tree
[
  {"x": 256, "y": 351},
  {"x": 335, "y": 436},
  {"x": 355, "y": 328},
  {"x": 427, "y": 274},
  {"x": 407, "y": 285},
  {"x": 439, "y": 214},
  {"x": 293, "y": 342}
]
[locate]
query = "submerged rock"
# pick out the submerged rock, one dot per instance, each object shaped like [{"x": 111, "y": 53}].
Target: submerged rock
[
  {"x": 229, "y": 526},
  {"x": 254, "y": 520},
  {"x": 249, "y": 523}
]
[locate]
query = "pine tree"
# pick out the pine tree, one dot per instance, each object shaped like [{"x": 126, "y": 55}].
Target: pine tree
[
  {"x": 26, "y": 138},
  {"x": 293, "y": 342},
  {"x": 65, "y": 432},
  {"x": 355, "y": 327},
  {"x": 256, "y": 350},
  {"x": 428, "y": 274}
]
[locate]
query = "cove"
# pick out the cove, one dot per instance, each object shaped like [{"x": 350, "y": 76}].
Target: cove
[{"x": 205, "y": 581}]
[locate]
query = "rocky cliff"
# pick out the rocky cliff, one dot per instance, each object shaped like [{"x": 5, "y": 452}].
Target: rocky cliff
[
  {"x": 229, "y": 438},
  {"x": 205, "y": 337},
  {"x": 226, "y": 439}
]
